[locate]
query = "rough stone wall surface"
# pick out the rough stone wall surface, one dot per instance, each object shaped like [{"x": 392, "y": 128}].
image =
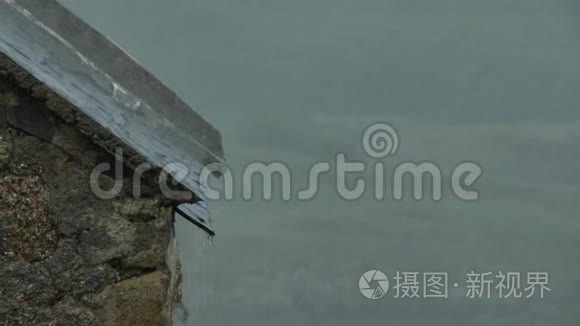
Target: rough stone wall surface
[{"x": 66, "y": 256}]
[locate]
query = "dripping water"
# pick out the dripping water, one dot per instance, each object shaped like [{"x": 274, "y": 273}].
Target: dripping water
[{"x": 196, "y": 249}]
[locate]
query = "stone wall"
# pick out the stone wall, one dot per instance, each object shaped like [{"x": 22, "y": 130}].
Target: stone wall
[{"x": 66, "y": 256}]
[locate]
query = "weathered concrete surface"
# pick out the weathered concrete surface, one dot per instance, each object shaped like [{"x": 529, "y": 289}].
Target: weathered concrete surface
[
  {"x": 146, "y": 292},
  {"x": 27, "y": 228},
  {"x": 66, "y": 256},
  {"x": 110, "y": 89}
]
